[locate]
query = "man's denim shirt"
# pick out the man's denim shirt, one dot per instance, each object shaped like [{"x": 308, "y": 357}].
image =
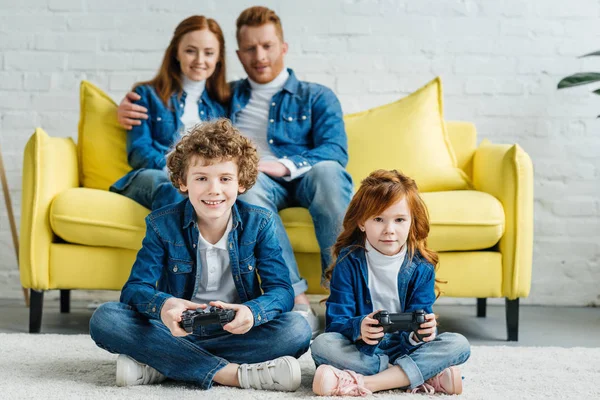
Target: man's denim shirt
[
  {"x": 350, "y": 298},
  {"x": 306, "y": 122},
  {"x": 148, "y": 143},
  {"x": 166, "y": 264}
]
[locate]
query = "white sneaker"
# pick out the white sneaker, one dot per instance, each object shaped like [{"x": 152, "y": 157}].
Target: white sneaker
[
  {"x": 131, "y": 372},
  {"x": 309, "y": 314},
  {"x": 282, "y": 374}
]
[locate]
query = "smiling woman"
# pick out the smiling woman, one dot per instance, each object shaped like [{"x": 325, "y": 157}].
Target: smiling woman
[{"x": 189, "y": 88}]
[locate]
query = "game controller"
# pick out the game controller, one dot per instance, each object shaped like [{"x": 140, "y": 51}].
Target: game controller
[
  {"x": 401, "y": 322},
  {"x": 191, "y": 319}
]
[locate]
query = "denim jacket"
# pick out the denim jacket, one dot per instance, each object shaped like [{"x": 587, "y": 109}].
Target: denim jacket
[
  {"x": 306, "y": 122},
  {"x": 166, "y": 264},
  {"x": 148, "y": 143},
  {"x": 350, "y": 299}
]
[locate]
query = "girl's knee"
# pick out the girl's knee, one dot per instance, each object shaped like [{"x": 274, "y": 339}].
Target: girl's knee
[
  {"x": 460, "y": 346},
  {"x": 324, "y": 344}
]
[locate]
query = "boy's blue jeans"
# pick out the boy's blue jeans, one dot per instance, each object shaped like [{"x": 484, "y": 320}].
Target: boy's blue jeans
[
  {"x": 325, "y": 190},
  {"x": 196, "y": 358},
  {"x": 422, "y": 363}
]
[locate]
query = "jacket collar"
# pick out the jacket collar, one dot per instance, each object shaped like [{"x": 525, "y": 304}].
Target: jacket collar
[{"x": 189, "y": 215}]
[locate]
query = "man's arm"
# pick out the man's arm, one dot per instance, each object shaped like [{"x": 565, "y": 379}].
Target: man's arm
[
  {"x": 328, "y": 132},
  {"x": 130, "y": 114}
]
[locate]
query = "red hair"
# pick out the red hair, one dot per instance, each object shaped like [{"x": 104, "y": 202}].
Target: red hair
[
  {"x": 168, "y": 79},
  {"x": 379, "y": 191}
]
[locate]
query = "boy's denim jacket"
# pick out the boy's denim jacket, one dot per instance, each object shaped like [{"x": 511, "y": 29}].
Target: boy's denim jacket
[
  {"x": 306, "y": 123},
  {"x": 350, "y": 299},
  {"x": 166, "y": 266}
]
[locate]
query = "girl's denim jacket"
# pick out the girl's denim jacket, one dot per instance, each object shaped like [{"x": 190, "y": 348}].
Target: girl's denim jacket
[
  {"x": 350, "y": 300},
  {"x": 149, "y": 142},
  {"x": 167, "y": 266}
]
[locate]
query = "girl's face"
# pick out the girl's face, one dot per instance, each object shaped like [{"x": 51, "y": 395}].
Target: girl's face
[
  {"x": 388, "y": 231},
  {"x": 198, "y": 54}
]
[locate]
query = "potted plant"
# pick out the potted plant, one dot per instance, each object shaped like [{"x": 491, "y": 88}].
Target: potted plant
[{"x": 581, "y": 78}]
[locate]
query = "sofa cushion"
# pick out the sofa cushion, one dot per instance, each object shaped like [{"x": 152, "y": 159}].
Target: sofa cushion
[
  {"x": 408, "y": 135},
  {"x": 102, "y": 142},
  {"x": 460, "y": 220},
  {"x": 98, "y": 218}
]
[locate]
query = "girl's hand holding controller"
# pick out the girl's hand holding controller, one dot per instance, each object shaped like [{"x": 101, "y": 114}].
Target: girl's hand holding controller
[
  {"x": 427, "y": 328},
  {"x": 370, "y": 330}
]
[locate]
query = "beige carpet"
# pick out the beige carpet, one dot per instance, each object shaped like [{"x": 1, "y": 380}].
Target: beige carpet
[{"x": 71, "y": 366}]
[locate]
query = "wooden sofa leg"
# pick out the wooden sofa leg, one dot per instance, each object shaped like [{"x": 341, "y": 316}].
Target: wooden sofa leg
[
  {"x": 481, "y": 307},
  {"x": 512, "y": 319},
  {"x": 35, "y": 311},
  {"x": 65, "y": 301}
]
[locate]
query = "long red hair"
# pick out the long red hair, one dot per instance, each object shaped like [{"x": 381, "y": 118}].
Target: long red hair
[
  {"x": 380, "y": 190},
  {"x": 168, "y": 79}
]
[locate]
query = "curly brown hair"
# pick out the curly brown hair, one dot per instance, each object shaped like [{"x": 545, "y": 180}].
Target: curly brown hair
[{"x": 214, "y": 141}]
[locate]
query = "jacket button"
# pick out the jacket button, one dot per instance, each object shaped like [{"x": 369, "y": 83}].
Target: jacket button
[
  {"x": 273, "y": 104},
  {"x": 259, "y": 318},
  {"x": 230, "y": 246},
  {"x": 271, "y": 120},
  {"x": 290, "y": 119},
  {"x": 201, "y": 112},
  {"x": 194, "y": 245},
  {"x": 271, "y": 141},
  {"x": 159, "y": 119},
  {"x": 249, "y": 267},
  {"x": 304, "y": 117},
  {"x": 153, "y": 309},
  {"x": 175, "y": 268}
]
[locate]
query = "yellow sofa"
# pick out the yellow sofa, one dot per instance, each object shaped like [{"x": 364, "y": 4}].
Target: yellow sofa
[{"x": 76, "y": 237}]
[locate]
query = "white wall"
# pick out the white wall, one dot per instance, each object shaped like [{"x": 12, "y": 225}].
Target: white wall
[{"x": 499, "y": 60}]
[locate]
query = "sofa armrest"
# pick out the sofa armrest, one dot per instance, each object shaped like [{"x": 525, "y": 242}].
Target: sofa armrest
[
  {"x": 49, "y": 167},
  {"x": 506, "y": 172}
]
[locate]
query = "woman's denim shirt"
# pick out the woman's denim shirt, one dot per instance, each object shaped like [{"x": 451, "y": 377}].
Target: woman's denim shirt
[
  {"x": 306, "y": 123},
  {"x": 350, "y": 299},
  {"x": 166, "y": 264},
  {"x": 149, "y": 142}
]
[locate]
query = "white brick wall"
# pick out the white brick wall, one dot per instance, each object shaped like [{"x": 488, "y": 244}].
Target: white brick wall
[{"x": 499, "y": 60}]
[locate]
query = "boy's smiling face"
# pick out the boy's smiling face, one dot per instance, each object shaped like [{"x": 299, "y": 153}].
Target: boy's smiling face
[{"x": 212, "y": 189}]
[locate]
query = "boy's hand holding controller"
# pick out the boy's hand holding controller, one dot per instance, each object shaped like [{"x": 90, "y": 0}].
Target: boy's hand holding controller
[
  {"x": 243, "y": 321},
  {"x": 370, "y": 330},
  {"x": 427, "y": 327},
  {"x": 170, "y": 314}
]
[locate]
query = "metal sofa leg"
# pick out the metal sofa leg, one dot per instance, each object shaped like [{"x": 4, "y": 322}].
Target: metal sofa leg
[
  {"x": 65, "y": 301},
  {"x": 481, "y": 307},
  {"x": 35, "y": 311},
  {"x": 512, "y": 319}
]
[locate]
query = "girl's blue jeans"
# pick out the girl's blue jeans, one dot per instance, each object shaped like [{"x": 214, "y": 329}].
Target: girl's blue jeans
[{"x": 419, "y": 363}]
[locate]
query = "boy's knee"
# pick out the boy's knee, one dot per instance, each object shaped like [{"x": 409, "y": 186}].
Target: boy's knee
[{"x": 296, "y": 329}]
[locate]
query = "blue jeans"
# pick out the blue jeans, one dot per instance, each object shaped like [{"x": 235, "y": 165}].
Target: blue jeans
[
  {"x": 152, "y": 188},
  {"x": 196, "y": 358},
  {"x": 423, "y": 362},
  {"x": 325, "y": 190}
]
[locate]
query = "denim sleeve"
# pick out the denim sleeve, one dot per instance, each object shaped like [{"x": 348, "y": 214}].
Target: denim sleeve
[
  {"x": 328, "y": 132},
  {"x": 423, "y": 293},
  {"x": 278, "y": 295},
  {"x": 140, "y": 290},
  {"x": 342, "y": 303},
  {"x": 140, "y": 150}
]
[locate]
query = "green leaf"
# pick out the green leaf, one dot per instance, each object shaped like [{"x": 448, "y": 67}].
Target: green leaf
[
  {"x": 580, "y": 78},
  {"x": 595, "y": 53}
]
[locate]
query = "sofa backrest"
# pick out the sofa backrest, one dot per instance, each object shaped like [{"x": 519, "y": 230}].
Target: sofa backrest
[{"x": 463, "y": 137}]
